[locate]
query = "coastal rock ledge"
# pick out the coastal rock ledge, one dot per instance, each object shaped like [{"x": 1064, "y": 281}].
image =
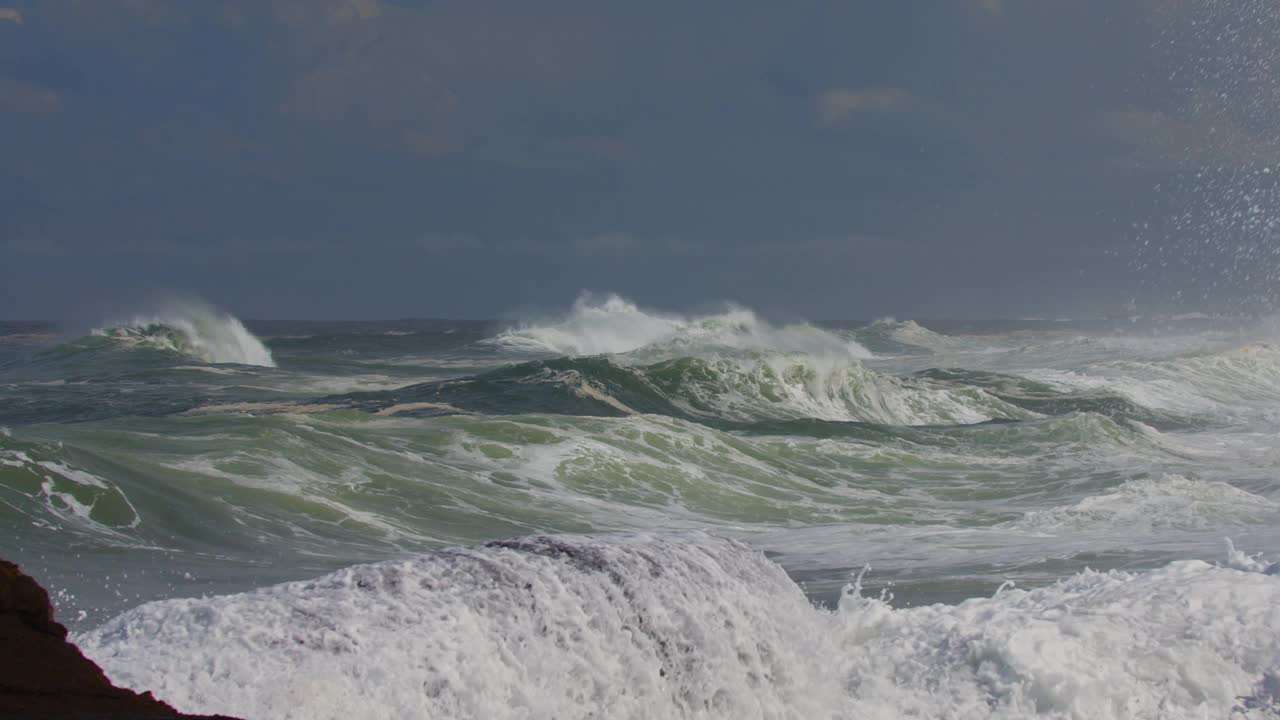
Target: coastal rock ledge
[{"x": 44, "y": 676}]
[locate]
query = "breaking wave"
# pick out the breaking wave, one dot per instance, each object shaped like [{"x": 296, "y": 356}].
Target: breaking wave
[
  {"x": 692, "y": 626},
  {"x": 1172, "y": 501},
  {"x": 744, "y": 388},
  {"x": 791, "y": 387},
  {"x": 1225, "y": 384},
  {"x": 891, "y": 336},
  {"x": 192, "y": 330},
  {"x": 612, "y": 325}
]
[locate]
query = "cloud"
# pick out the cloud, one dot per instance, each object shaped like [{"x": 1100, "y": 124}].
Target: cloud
[
  {"x": 603, "y": 148},
  {"x": 12, "y": 15},
  {"x": 107, "y": 19},
  {"x": 993, "y": 8},
  {"x": 20, "y": 97},
  {"x": 333, "y": 12},
  {"x": 837, "y": 105},
  {"x": 31, "y": 245},
  {"x": 444, "y": 243},
  {"x": 526, "y": 133},
  {"x": 369, "y": 92},
  {"x": 607, "y": 242},
  {"x": 425, "y": 145}
]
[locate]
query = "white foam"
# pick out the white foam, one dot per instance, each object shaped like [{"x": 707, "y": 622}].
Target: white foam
[
  {"x": 641, "y": 626},
  {"x": 204, "y": 333},
  {"x": 1238, "y": 383},
  {"x": 634, "y": 628},
  {"x": 752, "y": 370},
  {"x": 1241, "y": 560},
  {"x": 793, "y": 386},
  {"x": 613, "y": 325},
  {"x": 1169, "y": 502},
  {"x": 1186, "y": 641},
  {"x": 71, "y": 496},
  {"x": 207, "y": 369},
  {"x": 73, "y": 474},
  {"x": 912, "y": 333}
]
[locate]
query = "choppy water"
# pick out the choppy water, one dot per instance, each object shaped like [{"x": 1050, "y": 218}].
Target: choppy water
[{"x": 618, "y": 513}]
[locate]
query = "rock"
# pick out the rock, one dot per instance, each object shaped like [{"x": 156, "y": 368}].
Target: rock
[{"x": 44, "y": 676}]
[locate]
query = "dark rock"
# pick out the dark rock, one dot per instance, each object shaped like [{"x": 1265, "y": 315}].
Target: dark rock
[{"x": 44, "y": 676}]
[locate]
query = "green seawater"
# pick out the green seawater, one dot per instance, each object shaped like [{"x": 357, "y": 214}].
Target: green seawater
[{"x": 134, "y": 465}]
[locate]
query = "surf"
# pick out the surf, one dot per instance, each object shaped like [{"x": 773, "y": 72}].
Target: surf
[
  {"x": 745, "y": 387},
  {"x": 612, "y": 325},
  {"x": 192, "y": 330},
  {"x": 690, "y": 625}
]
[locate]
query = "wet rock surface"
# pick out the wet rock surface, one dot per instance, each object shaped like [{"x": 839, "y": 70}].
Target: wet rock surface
[{"x": 42, "y": 675}]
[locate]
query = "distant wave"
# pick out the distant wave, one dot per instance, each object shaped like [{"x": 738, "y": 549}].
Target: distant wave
[
  {"x": 903, "y": 337},
  {"x": 1170, "y": 501},
  {"x": 611, "y": 325},
  {"x": 1227, "y": 383},
  {"x": 194, "y": 330}
]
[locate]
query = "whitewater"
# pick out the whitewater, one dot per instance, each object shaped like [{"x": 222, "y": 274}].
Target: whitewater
[{"x": 612, "y": 511}]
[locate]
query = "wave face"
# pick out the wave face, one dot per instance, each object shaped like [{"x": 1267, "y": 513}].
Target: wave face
[
  {"x": 745, "y": 388},
  {"x": 192, "y": 330},
  {"x": 645, "y": 626},
  {"x": 796, "y": 387},
  {"x": 730, "y": 366},
  {"x": 1232, "y": 384}
]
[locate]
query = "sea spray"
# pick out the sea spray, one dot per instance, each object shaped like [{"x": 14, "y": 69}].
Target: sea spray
[
  {"x": 691, "y": 626},
  {"x": 1214, "y": 242},
  {"x": 195, "y": 330},
  {"x": 613, "y": 325}
]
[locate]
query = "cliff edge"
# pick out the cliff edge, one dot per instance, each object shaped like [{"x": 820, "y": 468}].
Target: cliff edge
[{"x": 44, "y": 676}]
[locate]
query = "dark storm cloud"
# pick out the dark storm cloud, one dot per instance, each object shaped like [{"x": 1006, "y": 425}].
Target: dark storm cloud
[{"x": 367, "y": 157}]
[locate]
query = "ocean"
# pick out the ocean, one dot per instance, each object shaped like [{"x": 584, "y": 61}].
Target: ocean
[{"x": 612, "y": 512}]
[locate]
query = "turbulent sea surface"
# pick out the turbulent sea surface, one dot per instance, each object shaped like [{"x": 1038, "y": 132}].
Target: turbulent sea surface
[{"x": 623, "y": 514}]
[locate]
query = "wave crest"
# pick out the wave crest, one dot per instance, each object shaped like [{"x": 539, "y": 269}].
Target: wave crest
[
  {"x": 1170, "y": 501},
  {"x": 645, "y": 626},
  {"x": 744, "y": 388},
  {"x": 1225, "y": 384},
  {"x": 784, "y": 386},
  {"x": 195, "y": 331},
  {"x": 612, "y": 325},
  {"x": 535, "y": 627}
]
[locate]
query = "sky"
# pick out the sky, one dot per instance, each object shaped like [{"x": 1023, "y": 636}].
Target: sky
[{"x": 831, "y": 160}]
